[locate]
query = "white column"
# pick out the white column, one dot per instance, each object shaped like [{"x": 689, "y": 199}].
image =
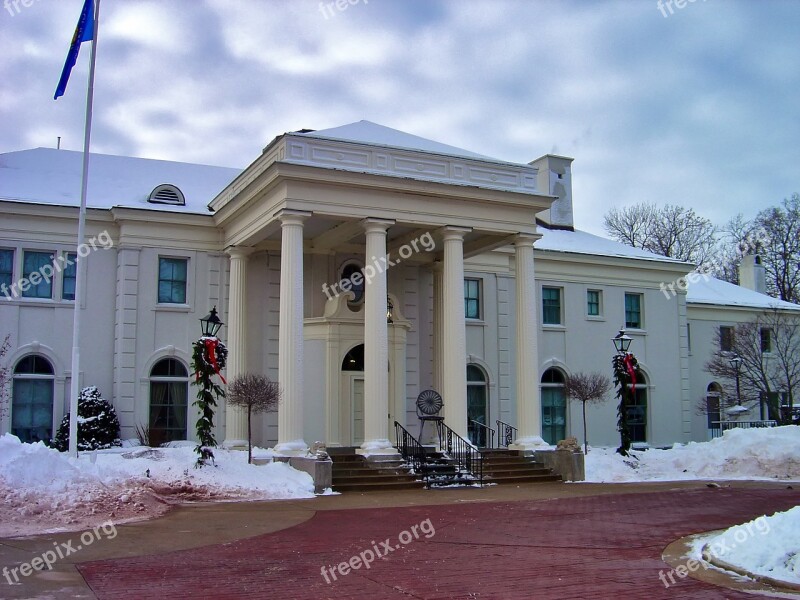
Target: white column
[
  {"x": 529, "y": 403},
  {"x": 236, "y": 327},
  {"x": 454, "y": 355},
  {"x": 438, "y": 326},
  {"x": 376, "y": 343},
  {"x": 290, "y": 336}
]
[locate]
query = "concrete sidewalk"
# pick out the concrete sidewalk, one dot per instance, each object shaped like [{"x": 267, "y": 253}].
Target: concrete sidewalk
[{"x": 495, "y": 542}]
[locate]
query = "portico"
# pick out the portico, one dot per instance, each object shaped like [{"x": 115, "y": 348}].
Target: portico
[{"x": 369, "y": 196}]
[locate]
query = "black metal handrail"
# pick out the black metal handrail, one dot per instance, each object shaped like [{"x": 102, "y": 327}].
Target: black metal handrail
[
  {"x": 722, "y": 426},
  {"x": 479, "y": 428},
  {"x": 467, "y": 457},
  {"x": 411, "y": 450},
  {"x": 506, "y": 434}
]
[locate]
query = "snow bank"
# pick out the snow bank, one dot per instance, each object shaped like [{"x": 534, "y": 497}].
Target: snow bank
[
  {"x": 770, "y": 453},
  {"x": 766, "y": 546},
  {"x": 43, "y": 489}
]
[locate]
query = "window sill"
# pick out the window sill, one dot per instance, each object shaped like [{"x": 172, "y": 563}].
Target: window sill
[
  {"x": 476, "y": 322},
  {"x": 40, "y": 302},
  {"x": 553, "y": 327},
  {"x": 595, "y": 318},
  {"x": 181, "y": 308}
]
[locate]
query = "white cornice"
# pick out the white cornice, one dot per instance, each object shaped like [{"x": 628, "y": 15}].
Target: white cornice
[{"x": 415, "y": 166}]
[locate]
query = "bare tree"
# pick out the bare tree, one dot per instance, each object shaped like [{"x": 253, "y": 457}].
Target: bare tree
[
  {"x": 780, "y": 253},
  {"x": 5, "y": 376},
  {"x": 671, "y": 230},
  {"x": 736, "y": 239},
  {"x": 587, "y": 388},
  {"x": 769, "y": 370},
  {"x": 257, "y": 394},
  {"x": 774, "y": 235}
]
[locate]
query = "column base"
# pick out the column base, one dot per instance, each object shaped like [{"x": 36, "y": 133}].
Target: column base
[
  {"x": 531, "y": 442},
  {"x": 380, "y": 448},
  {"x": 235, "y": 444},
  {"x": 293, "y": 448}
]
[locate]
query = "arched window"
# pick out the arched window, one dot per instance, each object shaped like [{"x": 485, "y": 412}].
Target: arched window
[
  {"x": 477, "y": 405},
  {"x": 169, "y": 399},
  {"x": 713, "y": 396},
  {"x": 354, "y": 359},
  {"x": 554, "y": 406},
  {"x": 32, "y": 399},
  {"x": 637, "y": 411}
]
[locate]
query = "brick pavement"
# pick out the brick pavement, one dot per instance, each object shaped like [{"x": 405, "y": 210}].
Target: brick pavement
[{"x": 606, "y": 546}]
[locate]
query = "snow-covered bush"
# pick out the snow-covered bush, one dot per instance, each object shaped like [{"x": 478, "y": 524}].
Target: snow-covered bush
[{"x": 98, "y": 426}]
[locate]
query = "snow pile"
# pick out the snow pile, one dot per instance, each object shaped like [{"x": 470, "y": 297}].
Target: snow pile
[
  {"x": 766, "y": 546},
  {"x": 769, "y": 453},
  {"x": 43, "y": 489}
]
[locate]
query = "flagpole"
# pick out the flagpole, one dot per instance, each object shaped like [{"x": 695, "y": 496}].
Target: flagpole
[{"x": 80, "y": 268}]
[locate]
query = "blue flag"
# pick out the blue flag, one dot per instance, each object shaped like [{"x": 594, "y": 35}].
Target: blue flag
[{"x": 84, "y": 32}]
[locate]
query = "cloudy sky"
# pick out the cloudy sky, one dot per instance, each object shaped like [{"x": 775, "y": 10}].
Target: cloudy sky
[{"x": 698, "y": 107}]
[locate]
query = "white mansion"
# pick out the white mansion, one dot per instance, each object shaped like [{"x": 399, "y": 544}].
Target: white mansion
[{"x": 357, "y": 266}]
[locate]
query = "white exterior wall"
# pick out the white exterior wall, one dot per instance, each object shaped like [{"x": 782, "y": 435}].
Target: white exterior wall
[{"x": 705, "y": 321}]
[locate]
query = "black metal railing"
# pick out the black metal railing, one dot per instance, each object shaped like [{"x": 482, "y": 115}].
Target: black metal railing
[
  {"x": 467, "y": 458},
  {"x": 411, "y": 450},
  {"x": 506, "y": 434},
  {"x": 480, "y": 434},
  {"x": 723, "y": 426}
]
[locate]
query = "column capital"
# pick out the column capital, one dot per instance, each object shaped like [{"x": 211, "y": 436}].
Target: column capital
[
  {"x": 526, "y": 239},
  {"x": 239, "y": 251},
  {"x": 372, "y": 224},
  {"x": 292, "y": 217},
  {"x": 451, "y": 232}
]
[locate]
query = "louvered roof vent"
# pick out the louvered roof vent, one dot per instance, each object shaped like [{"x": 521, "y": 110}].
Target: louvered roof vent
[{"x": 166, "y": 193}]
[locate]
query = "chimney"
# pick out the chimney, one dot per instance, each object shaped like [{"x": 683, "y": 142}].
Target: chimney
[
  {"x": 555, "y": 178},
  {"x": 752, "y": 274}
]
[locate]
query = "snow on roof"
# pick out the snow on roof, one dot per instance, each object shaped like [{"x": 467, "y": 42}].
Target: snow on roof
[
  {"x": 49, "y": 176},
  {"x": 709, "y": 290},
  {"x": 582, "y": 242},
  {"x": 367, "y": 132}
]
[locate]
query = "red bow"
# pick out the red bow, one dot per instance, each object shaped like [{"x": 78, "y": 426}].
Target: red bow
[
  {"x": 211, "y": 349},
  {"x": 628, "y": 362}
]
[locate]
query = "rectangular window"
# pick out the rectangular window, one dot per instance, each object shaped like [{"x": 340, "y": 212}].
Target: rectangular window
[
  {"x": 6, "y": 271},
  {"x": 172, "y": 280},
  {"x": 689, "y": 336},
  {"x": 633, "y": 311},
  {"x": 37, "y": 269},
  {"x": 726, "y": 338},
  {"x": 593, "y": 303},
  {"x": 472, "y": 298},
  {"x": 551, "y": 306},
  {"x": 766, "y": 340},
  {"x": 70, "y": 276}
]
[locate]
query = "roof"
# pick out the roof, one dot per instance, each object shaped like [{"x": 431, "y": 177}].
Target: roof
[
  {"x": 712, "y": 291},
  {"x": 582, "y": 242},
  {"x": 49, "y": 176},
  {"x": 367, "y": 132}
]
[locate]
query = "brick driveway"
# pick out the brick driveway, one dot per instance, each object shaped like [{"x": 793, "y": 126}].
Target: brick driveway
[{"x": 603, "y": 547}]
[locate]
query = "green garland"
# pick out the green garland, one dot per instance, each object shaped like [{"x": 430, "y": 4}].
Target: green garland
[
  {"x": 205, "y": 368},
  {"x": 622, "y": 380}
]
